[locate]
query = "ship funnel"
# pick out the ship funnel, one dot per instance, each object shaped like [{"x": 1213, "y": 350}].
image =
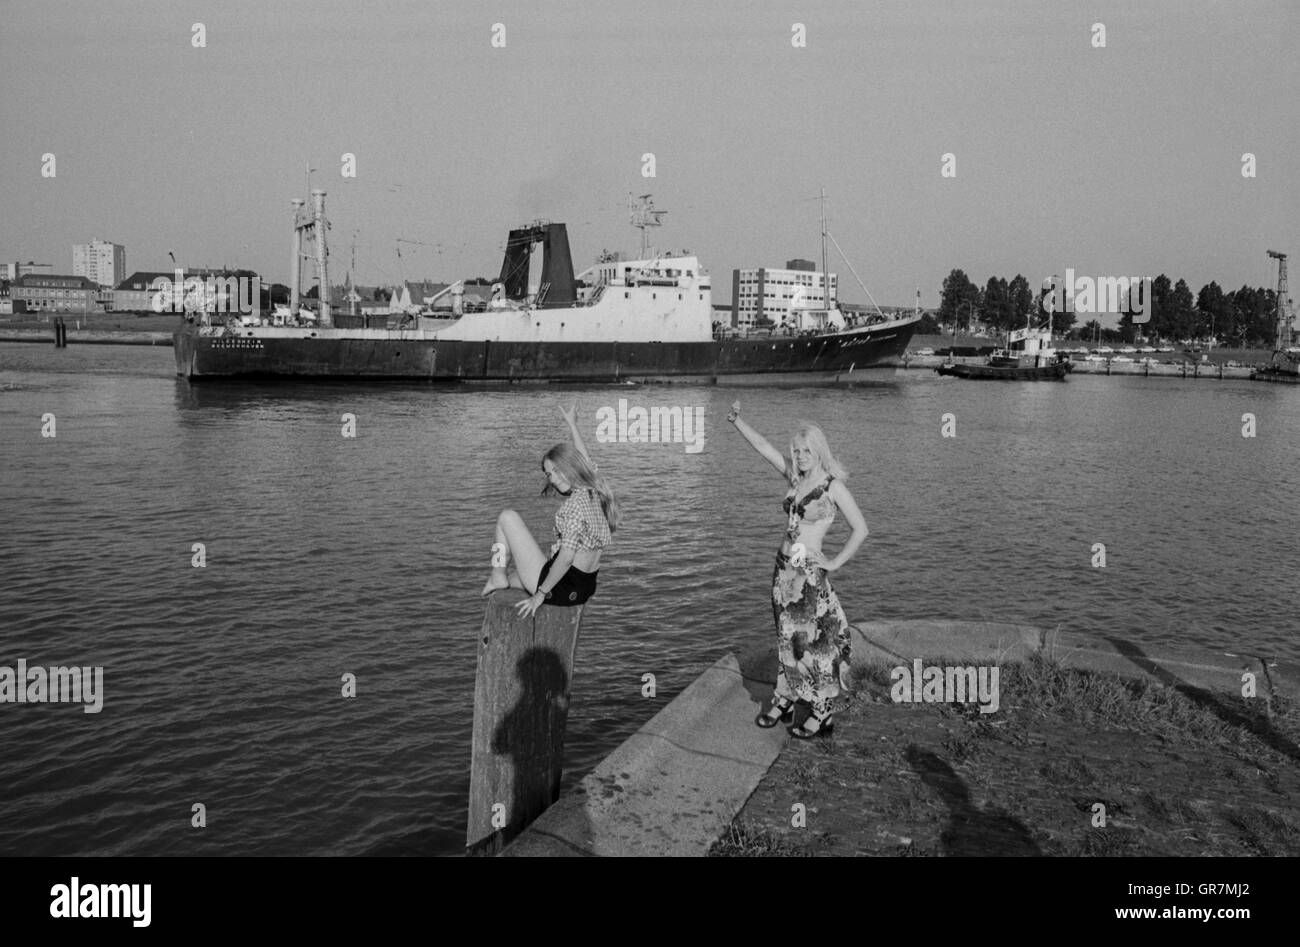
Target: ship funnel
[{"x": 557, "y": 287}]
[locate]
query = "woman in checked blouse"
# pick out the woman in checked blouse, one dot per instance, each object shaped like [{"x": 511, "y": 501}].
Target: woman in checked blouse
[
  {"x": 812, "y": 633},
  {"x": 583, "y": 526}
]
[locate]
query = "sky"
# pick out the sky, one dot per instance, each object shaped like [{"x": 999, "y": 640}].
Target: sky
[{"x": 1120, "y": 160}]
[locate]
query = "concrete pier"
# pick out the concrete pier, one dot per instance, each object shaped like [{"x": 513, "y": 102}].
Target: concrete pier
[{"x": 676, "y": 784}]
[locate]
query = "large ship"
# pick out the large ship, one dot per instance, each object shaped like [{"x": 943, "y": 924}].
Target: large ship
[{"x": 649, "y": 319}]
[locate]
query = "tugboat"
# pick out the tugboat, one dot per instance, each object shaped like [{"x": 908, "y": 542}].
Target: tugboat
[
  {"x": 1029, "y": 356},
  {"x": 649, "y": 319}
]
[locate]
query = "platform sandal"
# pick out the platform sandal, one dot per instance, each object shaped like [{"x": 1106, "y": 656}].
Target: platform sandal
[
  {"x": 781, "y": 711},
  {"x": 814, "y": 726}
]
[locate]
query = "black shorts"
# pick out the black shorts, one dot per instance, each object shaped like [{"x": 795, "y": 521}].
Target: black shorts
[{"x": 574, "y": 587}]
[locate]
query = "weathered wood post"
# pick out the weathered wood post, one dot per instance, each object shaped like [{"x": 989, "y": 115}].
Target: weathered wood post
[{"x": 521, "y": 704}]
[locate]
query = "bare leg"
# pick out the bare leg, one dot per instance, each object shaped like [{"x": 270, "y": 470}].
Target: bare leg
[{"x": 513, "y": 532}]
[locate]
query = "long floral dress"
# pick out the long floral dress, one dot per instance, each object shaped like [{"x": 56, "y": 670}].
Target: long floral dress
[{"x": 812, "y": 632}]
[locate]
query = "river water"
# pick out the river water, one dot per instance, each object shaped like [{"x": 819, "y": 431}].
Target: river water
[{"x": 329, "y": 555}]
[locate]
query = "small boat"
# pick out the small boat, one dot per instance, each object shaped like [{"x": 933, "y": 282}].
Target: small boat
[
  {"x": 1029, "y": 356},
  {"x": 1283, "y": 368}
]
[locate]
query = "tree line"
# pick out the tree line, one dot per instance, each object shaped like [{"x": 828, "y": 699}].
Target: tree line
[{"x": 1244, "y": 317}]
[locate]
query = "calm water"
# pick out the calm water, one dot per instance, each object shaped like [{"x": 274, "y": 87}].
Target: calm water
[{"x": 328, "y": 556}]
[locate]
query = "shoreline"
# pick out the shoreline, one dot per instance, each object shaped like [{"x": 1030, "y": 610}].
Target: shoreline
[
  {"x": 89, "y": 337},
  {"x": 909, "y": 362},
  {"x": 1216, "y": 370}
]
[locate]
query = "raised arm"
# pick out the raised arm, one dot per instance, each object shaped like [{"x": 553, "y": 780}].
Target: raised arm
[
  {"x": 758, "y": 441},
  {"x": 571, "y": 418}
]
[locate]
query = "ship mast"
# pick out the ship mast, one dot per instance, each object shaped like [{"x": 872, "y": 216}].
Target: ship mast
[
  {"x": 827, "y": 235},
  {"x": 295, "y": 271},
  {"x": 322, "y": 255},
  {"x": 644, "y": 215},
  {"x": 312, "y": 224},
  {"x": 826, "y": 274}
]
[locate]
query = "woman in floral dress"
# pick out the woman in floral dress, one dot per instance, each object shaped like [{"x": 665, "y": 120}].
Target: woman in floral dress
[{"x": 812, "y": 632}]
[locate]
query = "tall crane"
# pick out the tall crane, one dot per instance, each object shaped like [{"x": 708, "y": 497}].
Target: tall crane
[
  {"x": 1285, "y": 365},
  {"x": 1282, "y": 336}
]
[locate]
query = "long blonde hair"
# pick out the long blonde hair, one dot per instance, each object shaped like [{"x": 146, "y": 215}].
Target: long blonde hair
[
  {"x": 816, "y": 441},
  {"x": 574, "y": 466}
]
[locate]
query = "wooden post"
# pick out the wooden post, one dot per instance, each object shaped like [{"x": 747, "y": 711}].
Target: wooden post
[{"x": 521, "y": 704}]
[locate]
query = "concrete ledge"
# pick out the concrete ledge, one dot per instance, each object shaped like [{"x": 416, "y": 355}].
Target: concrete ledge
[
  {"x": 675, "y": 785},
  {"x": 993, "y": 643},
  {"x": 985, "y": 642}
]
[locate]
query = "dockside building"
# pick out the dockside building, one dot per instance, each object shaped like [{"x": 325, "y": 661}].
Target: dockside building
[{"x": 767, "y": 293}]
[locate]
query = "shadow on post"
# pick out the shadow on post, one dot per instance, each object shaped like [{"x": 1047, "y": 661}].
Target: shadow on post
[{"x": 521, "y": 704}]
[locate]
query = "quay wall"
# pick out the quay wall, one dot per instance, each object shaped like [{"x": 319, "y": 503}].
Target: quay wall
[{"x": 1158, "y": 370}]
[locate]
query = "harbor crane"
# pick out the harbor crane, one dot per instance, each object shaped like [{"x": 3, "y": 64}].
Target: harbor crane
[
  {"x": 1285, "y": 364},
  {"x": 1282, "y": 331}
]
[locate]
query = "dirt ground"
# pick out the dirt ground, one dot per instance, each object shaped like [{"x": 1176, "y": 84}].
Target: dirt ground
[{"x": 1179, "y": 774}]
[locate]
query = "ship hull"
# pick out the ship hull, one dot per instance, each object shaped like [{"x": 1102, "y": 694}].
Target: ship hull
[
  {"x": 1284, "y": 369},
  {"x": 1277, "y": 376},
  {"x": 245, "y": 353}
]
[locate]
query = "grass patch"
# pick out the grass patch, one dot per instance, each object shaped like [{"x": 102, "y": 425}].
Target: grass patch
[
  {"x": 742, "y": 840},
  {"x": 1265, "y": 831},
  {"x": 1140, "y": 704},
  {"x": 1185, "y": 772}
]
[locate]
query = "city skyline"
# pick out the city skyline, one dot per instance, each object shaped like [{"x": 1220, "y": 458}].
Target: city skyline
[{"x": 1122, "y": 160}]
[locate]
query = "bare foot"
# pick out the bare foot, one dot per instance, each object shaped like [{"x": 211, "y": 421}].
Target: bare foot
[{"x": 497, "y": 580}]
